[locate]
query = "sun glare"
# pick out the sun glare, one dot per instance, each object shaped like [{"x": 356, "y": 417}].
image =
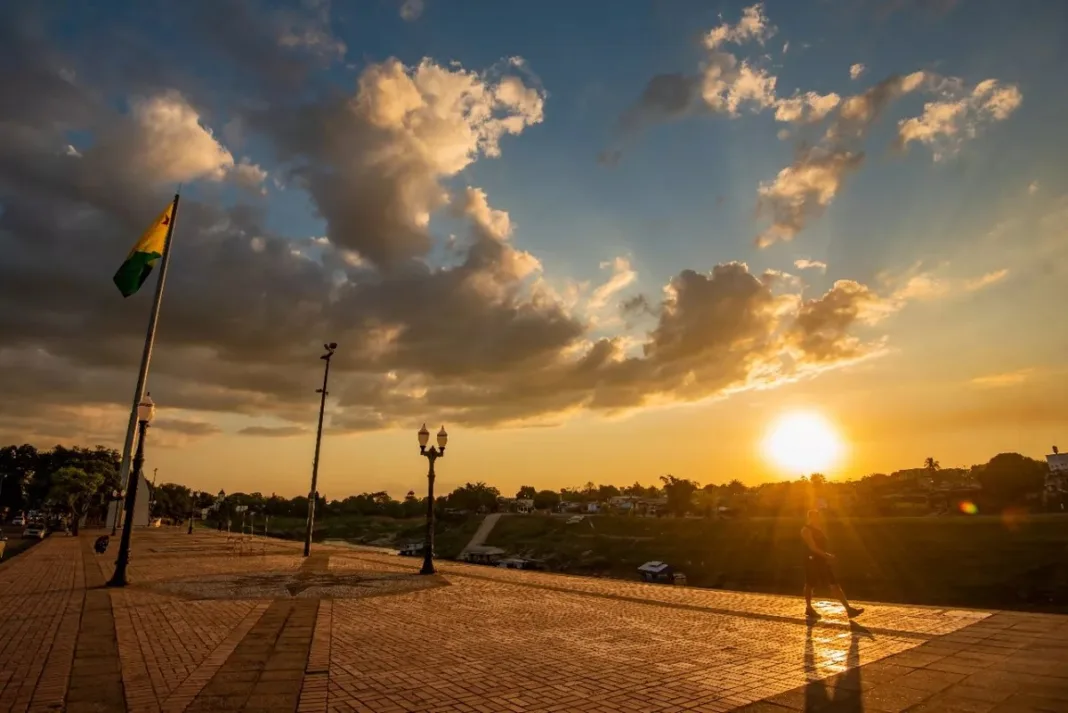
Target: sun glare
[{"x": 802, "y": 443}]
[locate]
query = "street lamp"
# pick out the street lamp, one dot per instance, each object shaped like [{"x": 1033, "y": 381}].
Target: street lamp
[
  {"x": 431, "y": 454},
  {"x": 115, "y": 496},
  {"x": 146, "y": 411},
  {"x": 318, "y": 439},
  {"x": 192, "y": 504}
]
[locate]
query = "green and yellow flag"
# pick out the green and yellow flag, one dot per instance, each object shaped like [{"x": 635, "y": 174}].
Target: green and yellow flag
[{"x": 142, "y": 258}]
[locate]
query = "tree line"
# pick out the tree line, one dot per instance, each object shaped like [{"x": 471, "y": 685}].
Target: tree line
[{"x": 79, "y": 482}]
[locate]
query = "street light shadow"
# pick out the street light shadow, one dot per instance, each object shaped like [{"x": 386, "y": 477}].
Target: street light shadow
[{"x": 839, "y": 693}]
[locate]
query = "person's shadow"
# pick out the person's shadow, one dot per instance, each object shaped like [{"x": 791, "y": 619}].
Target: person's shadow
[{"x": 839, "y": 693}]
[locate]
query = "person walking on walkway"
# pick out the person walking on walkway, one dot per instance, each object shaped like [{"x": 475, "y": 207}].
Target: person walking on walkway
[{"x": 818, "y": 572}]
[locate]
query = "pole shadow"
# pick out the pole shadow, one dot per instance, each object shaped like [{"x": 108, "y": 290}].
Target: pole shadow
[{"x": 839, "y": 693}]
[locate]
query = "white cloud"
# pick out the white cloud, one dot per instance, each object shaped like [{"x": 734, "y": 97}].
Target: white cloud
[
  {"x": 167, "y": 142},
  {"x": 809, "y": 107},
  {"x": 946, "y": 124},
  {"x": 623, "y": 275},
  {"x": 727, "y": 82},
  {"x": 806, "y": 264},
  {"x": 753, "y": 25},
  {"x": 856, "y": 70},
  {"x": 923, "y": 286},
  {"x": 983, "y": 281},
  {"x": 249, "y": 175},
  {"x": 1032, "y": 188},
  {"x": 803, "y": 190}
]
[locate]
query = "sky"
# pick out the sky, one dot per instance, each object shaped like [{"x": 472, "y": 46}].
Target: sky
[{"x": 598, "y": 242}]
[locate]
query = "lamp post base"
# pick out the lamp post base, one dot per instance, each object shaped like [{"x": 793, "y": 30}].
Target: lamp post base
[
  {"x": 428, "y": 567},
  {"x": 117, "y": 581}
]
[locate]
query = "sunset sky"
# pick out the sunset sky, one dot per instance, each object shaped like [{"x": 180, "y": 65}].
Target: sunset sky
[{"x": 598, "y": 241}]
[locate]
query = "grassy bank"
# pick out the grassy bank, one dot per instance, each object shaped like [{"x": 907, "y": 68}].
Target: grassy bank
[
  {"x": 950, "y": 561},
  {"x": 449, "y": 535}
]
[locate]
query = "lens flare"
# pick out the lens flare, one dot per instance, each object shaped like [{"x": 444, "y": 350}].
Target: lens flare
[{"x": 968, "y": 507}]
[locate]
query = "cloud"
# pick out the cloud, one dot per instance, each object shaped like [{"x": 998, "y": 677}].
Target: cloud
[
  {"x": 803, "y": 190},
  {"x": 248, "y": 175},
  {"x": 1032, "y": 188},
  {"x": 310, "y": 31},
  {"x": 724, "y": 84},
  {"x": 984, "y": 281},
  {"x": 273, "y": 431},
  {"x": 412, "y": 10},
  {"x": 165, "y": 141},
  {"x": 374, "y": 163},
  {"x": 806, "y": 264},
  {"x": 855, "y": 70},
  {"x": 752, "y": 26},
  {"x": 858, "y": 112},
  {"x": 473, "y": 334},
  {"x": 925, "y": 286},
  {"x": 821, "y": 330},
  {"x": 998, "y": 381},
  {"x": 186, "y": 427},
  {"x": 623, "y": 275},
  {"x": 946, "y": 124},
  {"x": 807, "y": 108}
]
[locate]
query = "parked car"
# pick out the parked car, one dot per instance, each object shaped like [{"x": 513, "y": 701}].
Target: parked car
[
  {"x": 19, "y": 521},
  {"x": 35, "y": 531}
]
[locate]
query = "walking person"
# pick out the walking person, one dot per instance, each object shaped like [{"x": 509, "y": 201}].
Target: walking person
[{"x": 818, "y": 572}]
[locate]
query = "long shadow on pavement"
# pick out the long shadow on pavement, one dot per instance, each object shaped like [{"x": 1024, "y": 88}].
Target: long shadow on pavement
[{"x": 843, "y": 696}]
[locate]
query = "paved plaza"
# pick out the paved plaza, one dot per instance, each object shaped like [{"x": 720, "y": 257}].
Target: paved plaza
[{"x": 212, "y": 623}]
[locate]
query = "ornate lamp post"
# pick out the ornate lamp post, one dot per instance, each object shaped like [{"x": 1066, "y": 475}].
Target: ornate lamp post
[
  {"x": 431, "y": 454},
  {"x": 146, "y": 411},
  {"x": 192, "y": 504},
  {"x": 313, "y": 494}
]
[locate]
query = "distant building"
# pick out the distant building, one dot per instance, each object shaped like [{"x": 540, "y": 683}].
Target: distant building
[
  {"x": 141, "y": 505},
  {"x": 1055, "y": 490}
]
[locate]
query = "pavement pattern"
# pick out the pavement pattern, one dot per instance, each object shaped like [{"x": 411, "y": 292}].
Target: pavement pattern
[{"x": 218, "y": 623}]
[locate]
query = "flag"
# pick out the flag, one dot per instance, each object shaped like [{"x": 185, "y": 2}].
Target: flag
[{"x": 142, "y": 258}]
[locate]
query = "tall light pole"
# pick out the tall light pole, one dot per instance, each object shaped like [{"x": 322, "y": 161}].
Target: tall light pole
[
  {"x": 192, "y": 504},
  {"x": 318, "y": 439},
  {"x": 146, "y": 411},
  {"x": 431, "y": 454}
]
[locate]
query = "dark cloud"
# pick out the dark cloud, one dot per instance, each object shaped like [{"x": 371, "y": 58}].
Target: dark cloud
[
  {"x": 186, "y": 427},
  {"x": 665, "y": 97}
]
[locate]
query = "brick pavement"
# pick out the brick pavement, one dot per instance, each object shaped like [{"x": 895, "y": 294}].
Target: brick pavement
[{"x": 211, "y": 624}]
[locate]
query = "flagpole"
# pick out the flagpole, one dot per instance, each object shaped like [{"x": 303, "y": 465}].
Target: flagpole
[{"x": 146, "y": 357}]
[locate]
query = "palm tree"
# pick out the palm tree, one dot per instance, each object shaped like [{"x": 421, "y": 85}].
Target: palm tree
[{"x": 931, "y": 464}]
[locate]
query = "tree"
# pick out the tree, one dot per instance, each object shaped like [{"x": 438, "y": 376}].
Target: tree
[
  {"x": 75, "y": 489},
  {"x": 931, "y": 464},
  {"x": 679, "y": 493},
  {"x": 1010, "y": 477},
  {"x": 474, "y": 497},
  {"x": 607, "y": 492},
  {"x": 737, "y": 487},
  {"x": 546, "y": 500},
  {"x": 527, "y": 492},
  {"x": 17, "y": 467},
  {"x": 173, "y": 501}
]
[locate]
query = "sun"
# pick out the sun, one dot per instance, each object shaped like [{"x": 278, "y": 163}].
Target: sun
[{"x": 803, "y": 442}]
